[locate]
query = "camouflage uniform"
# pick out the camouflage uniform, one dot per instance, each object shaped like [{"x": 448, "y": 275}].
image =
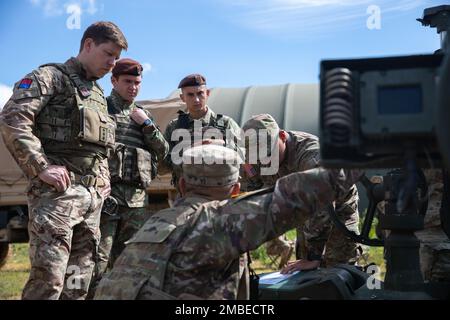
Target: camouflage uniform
[
  {"x": 209, "y": 120},
  {"x": 130, "y": 175},
  {"x": 194, "y": 249},
  {"x": 434, "y": 243},
  {"x": 40, "y": 125},
  {"x": 317, "y": 234}
]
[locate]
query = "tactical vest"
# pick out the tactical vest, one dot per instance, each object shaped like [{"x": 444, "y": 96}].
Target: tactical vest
[
  {"x": 220, "y": 122},
  {"x": 76, "y": 123},
  {"x": 130, "y": 162}
]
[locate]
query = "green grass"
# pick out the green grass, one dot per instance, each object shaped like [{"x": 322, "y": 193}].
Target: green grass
[
  {"x": 374, "y": 254},
  {"x": 14, "y": 274}
]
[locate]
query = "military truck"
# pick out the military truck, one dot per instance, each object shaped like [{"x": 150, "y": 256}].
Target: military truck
[
  {"x": 13, "y": 205},
  {"x": 294, "y": 106}
]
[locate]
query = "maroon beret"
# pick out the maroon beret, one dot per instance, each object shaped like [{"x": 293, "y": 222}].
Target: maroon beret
[
  {"x": 192, "y": 80},
  {"x": 127, "y": 66}
]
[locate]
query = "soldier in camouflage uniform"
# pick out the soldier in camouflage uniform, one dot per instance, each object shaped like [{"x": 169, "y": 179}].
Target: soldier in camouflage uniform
[
  {"x": 57, "y": 128},
  {"x": 195, "y": 94},
  {"x": 195, "y": 249},
  {"x": 434, "y": 243},
  {"x": 140, "y": 145},
  {"x": 317, "y": 239}
]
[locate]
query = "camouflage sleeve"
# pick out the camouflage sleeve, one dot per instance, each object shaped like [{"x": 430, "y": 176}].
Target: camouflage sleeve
[
  {"x": 340, "y": 248},
  {"x": 308, "y": 156},
  {"x": 317, "y": 230},
  {"x": 18, "y": 117},
  {"x": 156, "y": 141},
  {"x": 347, "y": 205},
  {"x": 165, "y": 166},
  {"x": 104, "y": 173},
  {"x": 255, "y": 219}
]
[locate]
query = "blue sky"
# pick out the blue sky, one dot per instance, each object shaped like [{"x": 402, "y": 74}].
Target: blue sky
[{"x": 234, "y": 43}]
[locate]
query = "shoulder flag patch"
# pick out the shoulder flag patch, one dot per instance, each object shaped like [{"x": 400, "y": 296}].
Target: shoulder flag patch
[
  {"x": 25, "y": 83},
  {"x": 250, "y": 170}
]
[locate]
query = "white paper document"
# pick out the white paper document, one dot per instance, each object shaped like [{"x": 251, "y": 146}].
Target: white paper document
[{"x": 275, "y": 277}]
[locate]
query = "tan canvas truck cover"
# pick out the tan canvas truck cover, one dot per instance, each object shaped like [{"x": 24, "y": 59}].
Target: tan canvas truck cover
[{"x": 12, "y": 180}]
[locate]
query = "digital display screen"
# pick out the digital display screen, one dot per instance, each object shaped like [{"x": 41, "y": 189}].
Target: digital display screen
[{"x": 400, "y": 99}]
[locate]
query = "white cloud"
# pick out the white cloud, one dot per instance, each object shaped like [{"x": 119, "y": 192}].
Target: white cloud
[
  {"x": 58, "y": 7},
  {"x": 147, "y": 67},
  {"x": 5, "y": 94},
  {"x": 306, "y": 18},
  {"x": 92, "y": 8},
  {"x": 50, "y": 7}
]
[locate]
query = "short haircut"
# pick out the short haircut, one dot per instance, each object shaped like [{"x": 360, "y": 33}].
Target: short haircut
[{"x": 104, "y": 31}]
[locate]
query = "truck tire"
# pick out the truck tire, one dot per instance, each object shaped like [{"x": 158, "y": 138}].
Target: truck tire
[{"x": 4, "y": 250}]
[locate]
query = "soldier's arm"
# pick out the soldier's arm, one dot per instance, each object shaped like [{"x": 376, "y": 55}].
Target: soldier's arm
[
  {"x": 308, "y": 157},
  {"x": 155, "y": 140},
  {"x": 165, "y": 166},
  {"x": 17, "y": 120},
  {"x": 316, "y": 233},
  {"x": 318, "y": 229},
  {"x": 339, "y": 247},
  {"x": 251, "y": 221},
  {"x": 105, "y": 187}
]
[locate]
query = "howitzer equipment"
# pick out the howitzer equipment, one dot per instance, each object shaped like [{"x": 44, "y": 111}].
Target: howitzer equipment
[
  {"x": 385, "y": 113},
  {"x": 374, "y": 110}
]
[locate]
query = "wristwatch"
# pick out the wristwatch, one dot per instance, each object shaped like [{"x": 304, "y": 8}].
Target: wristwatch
[
  {"x": 147, "y": 122},
  {"x": 38, "y": 165}
]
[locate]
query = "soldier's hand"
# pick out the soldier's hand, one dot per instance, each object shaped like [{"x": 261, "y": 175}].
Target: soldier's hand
[
  {"x": 56, "y": 176},
  {"x": 139, "y": 116},
  {"x": 301, "y": 264}
]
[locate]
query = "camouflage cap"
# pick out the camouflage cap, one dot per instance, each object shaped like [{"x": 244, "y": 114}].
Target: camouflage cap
[
  {"x": 192, "y": 80},
  {"x": 264, "y": 121},
  {"x": 211, "y": 165},
  {"x": 127, "y": 66}
]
